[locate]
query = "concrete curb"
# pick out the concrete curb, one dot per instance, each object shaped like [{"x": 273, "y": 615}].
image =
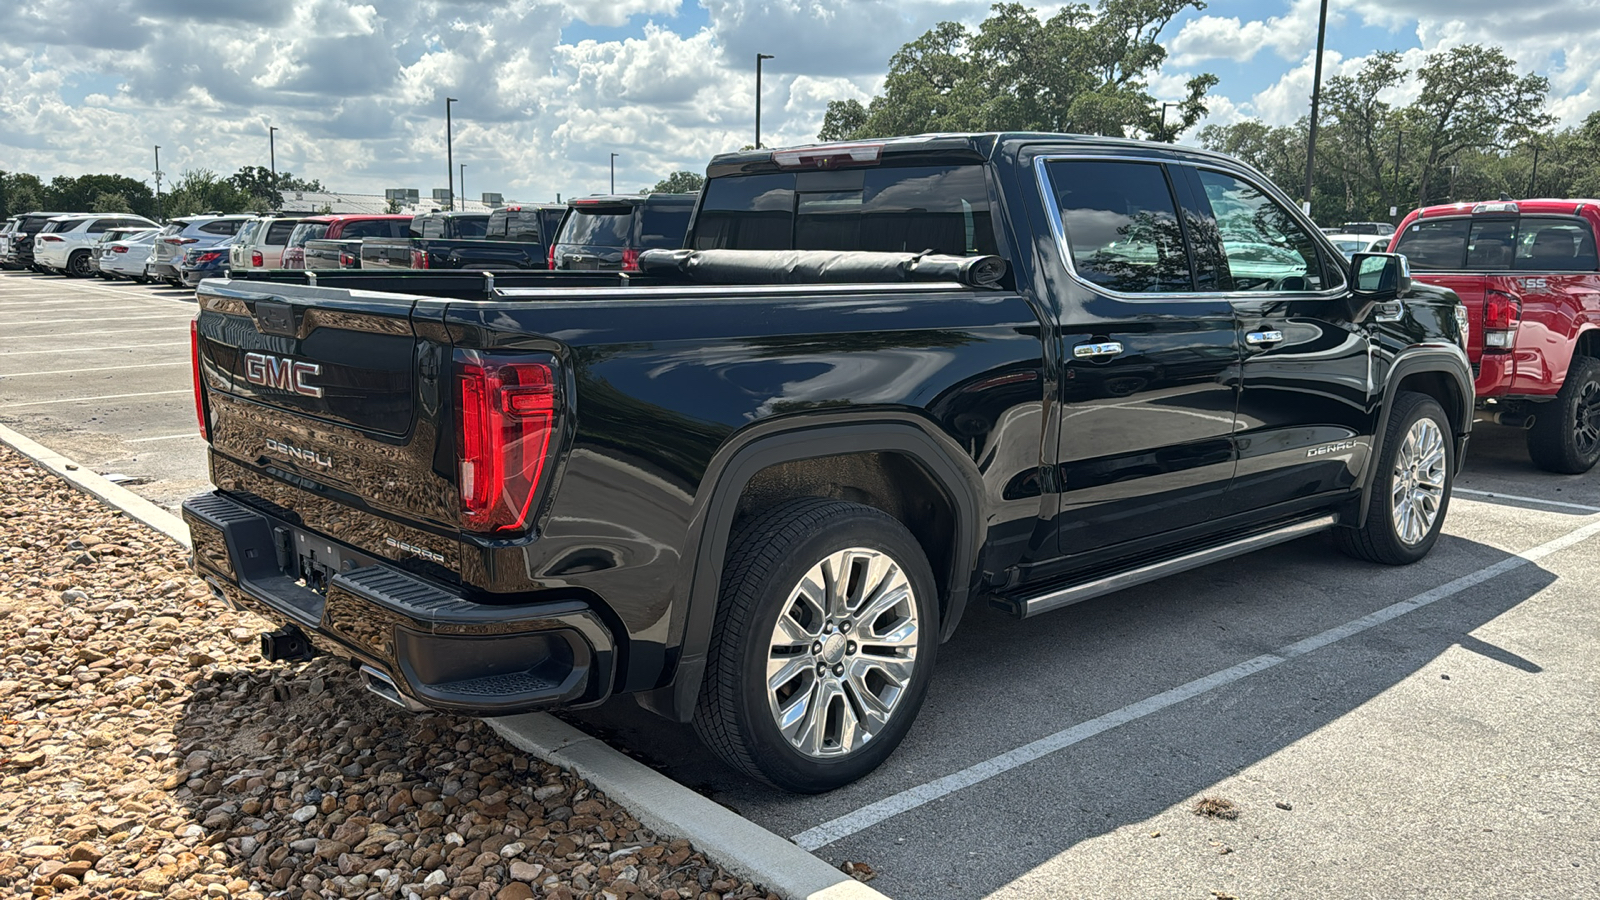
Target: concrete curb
[
  {"x": 90, "y": 483},
  {"x": 663, "y": 805},
  {"x": 669, "y": 808}
]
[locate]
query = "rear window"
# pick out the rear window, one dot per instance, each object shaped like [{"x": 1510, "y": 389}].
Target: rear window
[
  {"x": 899, "y": 209},
  {"x": 519, "y": 225},
  {"x": 598, "y": 226},
  {"x": 279, "y": 232},
  {"x": 663, "y": 226},
  {"x": 306, "y": 231},
  {"x": 1439, "y": 245},
  {"x": 223, "y": 226},
  {"x": 1531, "y": 243},
  {"x": 471, "y": 227},
  {"x": 373, "y": 228},
  {"x": 1555, "y": 244}
]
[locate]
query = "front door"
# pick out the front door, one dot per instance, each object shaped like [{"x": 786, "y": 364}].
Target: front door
[{"x": 1147, "y": 390}]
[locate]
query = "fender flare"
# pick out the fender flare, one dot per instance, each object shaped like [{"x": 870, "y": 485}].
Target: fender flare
[
  {"x": 789, "y": 441},
  {"x": 1447, "y": 359}
]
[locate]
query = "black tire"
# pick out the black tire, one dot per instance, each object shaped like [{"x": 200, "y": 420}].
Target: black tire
[
  {"x": 1565, "y": 436},
  {"x": 1378, "y": 538},
  {"x": 77, "y": 264},
  {"x": 767, "y": 558}
]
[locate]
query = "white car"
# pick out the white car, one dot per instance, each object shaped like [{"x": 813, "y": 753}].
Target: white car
[
  {"x": 260, "y": 243},
  {"x": 1351, "y": 244},
  {"x": 65, "y": 242},
  {"x": 126, "y": 258}
]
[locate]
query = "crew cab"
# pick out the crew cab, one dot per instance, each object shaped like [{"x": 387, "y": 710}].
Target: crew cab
[
  {"x": 609, "y": 232},
  {"x": 755, "y": 484},
  {"x": 339, "y": 240},
  {"x": 456, "y": 240},
  {"x": 1529, "y": 275}
]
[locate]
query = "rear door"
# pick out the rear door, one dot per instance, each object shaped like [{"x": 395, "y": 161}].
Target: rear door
[
  {"x": 1147, "y": 389},
  {"x": 325, "y": 406}
]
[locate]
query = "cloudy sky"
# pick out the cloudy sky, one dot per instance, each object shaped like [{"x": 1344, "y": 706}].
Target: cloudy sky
[{"x": 548, "y": 89}]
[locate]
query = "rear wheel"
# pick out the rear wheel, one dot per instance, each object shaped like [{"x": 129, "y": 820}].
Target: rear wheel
[
  {"x": 1565, "y": 436},
  {"x": 1411, "y": 488},
  {"x": 78, "y": 264},
  {"x": 822, "y": 647}
]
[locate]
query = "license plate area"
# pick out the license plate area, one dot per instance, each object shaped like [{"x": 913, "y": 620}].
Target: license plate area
[{"x": 310, "y": 561}]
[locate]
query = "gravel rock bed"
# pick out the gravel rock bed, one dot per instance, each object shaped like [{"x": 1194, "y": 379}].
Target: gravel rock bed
[{"x": 146, "y": 750}]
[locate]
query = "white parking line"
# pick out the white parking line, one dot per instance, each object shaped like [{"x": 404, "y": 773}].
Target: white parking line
[
  {"x": 165, "y": 437},
  {"x": 35, "y": 337},
  {"x": 14, "y": 405},
  {"x": 1521, "y": 499},
  {"x": 10, "y": 353},
  {"x": 873, "y": 813},
  {"x": 182, "y": 362}
]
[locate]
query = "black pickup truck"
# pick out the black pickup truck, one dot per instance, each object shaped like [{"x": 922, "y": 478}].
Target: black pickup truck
[
  {"x": 507, "y": 238},
  {"x": 756, "y": 490}
]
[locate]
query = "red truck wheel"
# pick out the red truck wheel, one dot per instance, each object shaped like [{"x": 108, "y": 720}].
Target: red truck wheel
[{"x": 1565, "y": 436}]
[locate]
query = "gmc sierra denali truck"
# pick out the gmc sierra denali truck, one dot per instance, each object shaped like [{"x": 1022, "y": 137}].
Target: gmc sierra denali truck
[
  {"x": 756, "y": 484},
  {"x": 1529, "y": 276}
]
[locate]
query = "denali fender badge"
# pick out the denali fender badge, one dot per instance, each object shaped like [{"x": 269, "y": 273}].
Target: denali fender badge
[
  {"x": 282, "y": 373},
  {"x": 1331, "y": 448},
  {"x": 413, "y": 548},
  {"x": 293, "y": 452}
]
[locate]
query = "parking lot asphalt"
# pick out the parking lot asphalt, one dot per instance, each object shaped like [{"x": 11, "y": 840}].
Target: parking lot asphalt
[{"x": 1426, "y": 731}]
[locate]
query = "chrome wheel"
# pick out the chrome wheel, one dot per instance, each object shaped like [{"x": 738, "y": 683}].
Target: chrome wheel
[
  {"x": 842, "y": 652},
  {"x": 1586, "y": 431},
  {"x": 1417, "y": 492}
]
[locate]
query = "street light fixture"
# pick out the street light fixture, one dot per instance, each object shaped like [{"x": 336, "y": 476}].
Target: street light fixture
[
  {"x": 613, "y": 173},
  {"x": 1164, "y": 106},
  {"x": 158, "y": 182},
  {"x": 449, "y": 160},
  {"x": 1316, "y": 98},
  {"x": 272, "y": 154},
  {"x": 759, "y": 58}
]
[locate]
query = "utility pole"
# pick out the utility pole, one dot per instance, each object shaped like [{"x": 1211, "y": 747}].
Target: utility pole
[
  {"x": 759, "y": 58},
  {"x": 463, "y": 184},
  {"x": 1163, "y": 136},
  {"x": 449, "y": 161},
  {"x": 1316, "y": 98},
  {"x": 272, "y": 154},
  {"x": 1399, "y": 136},
  {"x": 1533, "y": 178},
  {"x": 613, "y": 173},
  {"x": 1453, "y": 171},
  {"x": 158, "y": 182}
]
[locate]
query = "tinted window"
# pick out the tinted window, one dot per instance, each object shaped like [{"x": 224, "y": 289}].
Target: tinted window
[
  {"x": 306, "y": 231},
  {"x": 519, "y": 225},
  {"x": 663, "y": 226},
  {"x": 1121, "y": 225},
  {"x": 432, "y": 227},
  {"x": 747, "y": 212},
  {"x": 598, "y": 226},
  {"x": 223, "y": 226},
  {"x": 1489, "y": 243},
  {"x": 471, "y": 227},
  {"x": 1562, "y": 245},
  {"x": 279, "y": 232},
  {"x": 1265, "y": 247},
  {"x": 370, "y": 228},
  {"x": 247, "y": 230},
  {"x": 1439, "y": 245}
]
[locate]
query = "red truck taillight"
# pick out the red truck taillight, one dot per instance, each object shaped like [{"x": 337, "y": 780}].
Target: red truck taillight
[
  {"x": 630, "y": 260},
  {"x": 1500, "y": 315},
  {"x": 257, "y": 260},
  {"x": 419, "y": 259},
  {"x": 199, "y": 392},
  {"x": 552, "y": 256},
  {"x": 505, "y": 417}
]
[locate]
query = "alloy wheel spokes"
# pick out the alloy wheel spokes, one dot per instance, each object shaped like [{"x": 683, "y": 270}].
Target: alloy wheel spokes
[
  {"x": 1421, "y": 472},
  {"x": 842, "y": 652}
]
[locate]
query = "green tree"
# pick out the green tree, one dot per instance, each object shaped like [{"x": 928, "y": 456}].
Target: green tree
[
  {"x": 20, "y": 193},
  {"x": 1082, "y": 70},
  {"x": 201, "y": 191},
  {"x": 681, "y": 182},
  {"x": 107, "y": 202},
  {"x": 78, "y": 194}
]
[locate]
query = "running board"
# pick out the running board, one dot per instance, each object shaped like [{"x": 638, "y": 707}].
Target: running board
[{"x": 1024, "y": 608}]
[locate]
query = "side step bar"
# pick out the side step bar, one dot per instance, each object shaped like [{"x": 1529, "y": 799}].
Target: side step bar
[{"x": 1023, "y": 608}]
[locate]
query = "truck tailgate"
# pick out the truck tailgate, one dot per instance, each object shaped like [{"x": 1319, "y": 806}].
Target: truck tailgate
[{"x": 324, "y": 404}]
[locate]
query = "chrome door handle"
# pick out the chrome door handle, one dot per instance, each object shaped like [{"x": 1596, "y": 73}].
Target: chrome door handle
[
  {"x": 1096, "y": 351},
  {"x": 1259, "y": 338},
  {"x": 1388, "y": 312}
]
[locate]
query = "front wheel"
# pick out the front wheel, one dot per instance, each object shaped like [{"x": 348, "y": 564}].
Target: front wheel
[
  {"x": 1411, "y": 488},
  {"x": 822, "y": 647},
  {"x": 1565, "y": 436}
]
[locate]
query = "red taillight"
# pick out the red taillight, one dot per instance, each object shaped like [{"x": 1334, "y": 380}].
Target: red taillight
[
  {"x": 119, "y": 249},
  {"x": 1500, "y": 314},
  {"x": 419, "y": 259},
  {"x": 199, "y": 391},
  {"x": 257, "y": 260},
  {"x": 50, "y": 238},
  {"x": 630, "y": 260},
  {"x": 347, "y": 260},
  {"x": 552, "y": 256},
  {"x": 506, "y": 415},
  {"x": 209, "y": 256}
]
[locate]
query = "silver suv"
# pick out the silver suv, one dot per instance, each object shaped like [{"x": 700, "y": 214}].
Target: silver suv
[{"x": 186, "y": 233}]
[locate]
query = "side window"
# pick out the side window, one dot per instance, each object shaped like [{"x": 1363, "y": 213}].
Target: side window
[
  {"x": 278, "y": 233},
  {"x": 433, "y": 227},
  {"x": 1121, "y": 225},
  {"x": 1264, "y": 246},
  {"x": 497, "y": 225},
  {"x": 1490, "y": 242},
  {"x": 1555, "y": 244},
  {"x": 1437, "y": 245},
  {"x": 99, "y": 226}
]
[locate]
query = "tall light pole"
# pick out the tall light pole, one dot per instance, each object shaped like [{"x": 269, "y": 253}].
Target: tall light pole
[
  {"x": 759, "y": 58},
  {"x": 1164, "y": 106},
  {"x": 1533, "y": 179},
  {"x": 463, "y": 182},
  {"x": 1316, "y": 98},
  {"x": 613, "y": 173},
  {"x": 272, "y": 154},
  {"x": 1399, "y": 139},
  {"x": 158, "y": 182},
  {"x": 449, "y": 161}
]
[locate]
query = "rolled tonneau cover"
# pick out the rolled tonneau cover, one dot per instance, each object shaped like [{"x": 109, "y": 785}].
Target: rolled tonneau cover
[{"x": 822, "y": 267}]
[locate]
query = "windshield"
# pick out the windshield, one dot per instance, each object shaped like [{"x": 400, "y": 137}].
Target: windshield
[{"x": 600, "y": 226}]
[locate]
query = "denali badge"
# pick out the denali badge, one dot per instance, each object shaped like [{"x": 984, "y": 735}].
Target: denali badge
[
  {"x": 281, "y": 373},
  {"x": 293, "y": 452},
  {"x": 1331, "y": 448},
  {"x": 413, "y": 548}
]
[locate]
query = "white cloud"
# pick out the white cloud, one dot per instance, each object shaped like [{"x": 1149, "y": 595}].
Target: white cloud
[{"x": 1216, "y": 37}]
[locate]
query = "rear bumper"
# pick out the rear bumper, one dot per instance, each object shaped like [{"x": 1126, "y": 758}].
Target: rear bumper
[
  {"x": 440, "y": 649},
  {"x": 163, "y": 270}
]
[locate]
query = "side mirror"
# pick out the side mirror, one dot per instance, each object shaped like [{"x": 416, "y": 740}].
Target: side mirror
[{"x": 1376, "y": 278}]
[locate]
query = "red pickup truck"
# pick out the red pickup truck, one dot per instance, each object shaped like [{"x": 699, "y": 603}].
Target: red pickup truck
[{"x": 1529, "y": 275}]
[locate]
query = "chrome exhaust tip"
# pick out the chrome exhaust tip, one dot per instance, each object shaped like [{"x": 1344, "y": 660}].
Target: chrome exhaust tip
[{"x": 384, "y": 686}]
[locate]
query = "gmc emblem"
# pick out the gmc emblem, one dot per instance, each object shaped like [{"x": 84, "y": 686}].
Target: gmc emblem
[{"x": 281, "y": 373}]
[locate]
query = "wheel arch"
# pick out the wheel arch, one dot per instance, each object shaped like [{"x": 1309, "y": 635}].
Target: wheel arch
[
  {"x": 769, "y": 464},
  {"x": 1439, "y": 372}
]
